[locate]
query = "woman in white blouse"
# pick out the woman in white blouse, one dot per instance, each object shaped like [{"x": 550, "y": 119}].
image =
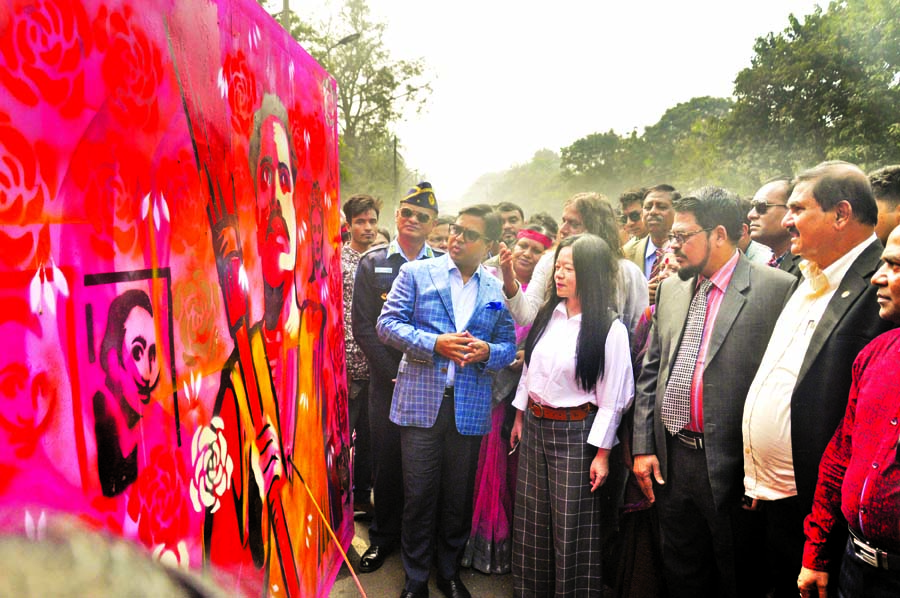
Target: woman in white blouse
[{"x": 576, "y": 383}]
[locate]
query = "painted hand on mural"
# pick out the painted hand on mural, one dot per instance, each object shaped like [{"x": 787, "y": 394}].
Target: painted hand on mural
[{"x": 266, "y": 460}]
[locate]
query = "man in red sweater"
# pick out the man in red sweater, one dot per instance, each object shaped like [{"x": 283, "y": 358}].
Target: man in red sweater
[{"x": 859, "y": 476}]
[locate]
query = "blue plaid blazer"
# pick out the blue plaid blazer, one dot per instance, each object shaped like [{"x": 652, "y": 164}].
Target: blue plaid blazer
[{"x": 417, "y": 310}]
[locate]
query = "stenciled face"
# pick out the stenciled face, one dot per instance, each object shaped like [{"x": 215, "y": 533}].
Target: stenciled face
[
  {"x": 512, "y": 224},
  {"x": 139, "y": 358},
  {"x": 658, "y": 213},
  {"x": 525, "y": 254},
  {"x": 634, "y": 219},
  {"x": 571, "y": 224},
  {"x": 811, "y": 228},
  {"x": 439, "y": 236},
  {"x": 410, "y": 229},
  {"x": 887, "y": 279},
  {"x": 693, "y": 254},
  {"x": 766, "y": 228},
  {"x": 564, "y": 274},
  {"x": 363, "y": 229},
  {"x": 467, "y": 254},
  {"x": 275, "y": 203}
]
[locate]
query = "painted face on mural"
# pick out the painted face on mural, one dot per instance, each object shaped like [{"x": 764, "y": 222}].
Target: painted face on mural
[
  {"x": 275, "y": 203},
  {"x": 139, "y": 358}
]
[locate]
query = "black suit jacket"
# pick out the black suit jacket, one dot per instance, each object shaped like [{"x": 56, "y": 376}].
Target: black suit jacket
[
  {"x": 374, "y": 277},
  {"x": 791, "y": 264},
  {"x": 820, "y": 395}
]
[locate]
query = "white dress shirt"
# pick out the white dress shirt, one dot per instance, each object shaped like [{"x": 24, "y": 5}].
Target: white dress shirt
[
  {"x": 463, "y": 297},
  {"x": 550, "y": 379},
  {"x": 766, "y": 425}
]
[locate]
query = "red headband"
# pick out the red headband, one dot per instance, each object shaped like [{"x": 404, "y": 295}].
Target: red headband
[{"x": 541, "y": 238}]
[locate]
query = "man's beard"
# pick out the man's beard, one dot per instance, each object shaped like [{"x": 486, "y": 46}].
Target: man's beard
[{"x": 688, "y": 272}]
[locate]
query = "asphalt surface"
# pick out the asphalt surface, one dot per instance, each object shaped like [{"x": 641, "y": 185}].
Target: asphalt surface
[{"x": 387, "y": 582}]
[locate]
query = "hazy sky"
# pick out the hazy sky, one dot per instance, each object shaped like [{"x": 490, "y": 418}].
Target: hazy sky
[{"x": 510, "y": 78}]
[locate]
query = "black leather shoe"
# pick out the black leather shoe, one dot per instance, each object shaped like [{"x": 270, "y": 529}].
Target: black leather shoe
[
  {"x": 453, "y": 588},
  {"x": 373, "y": 558},
  {"x": 410, "y": 594}
]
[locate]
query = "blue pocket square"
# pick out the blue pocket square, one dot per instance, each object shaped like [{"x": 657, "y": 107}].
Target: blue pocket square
[{"x": 494, "y": 305}]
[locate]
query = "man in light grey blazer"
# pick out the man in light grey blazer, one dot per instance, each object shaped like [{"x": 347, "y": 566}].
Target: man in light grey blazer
[{"x": 709, "y": 332}]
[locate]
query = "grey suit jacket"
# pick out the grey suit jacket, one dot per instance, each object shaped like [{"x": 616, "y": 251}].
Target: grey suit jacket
[{"x": 754, "y": 298}]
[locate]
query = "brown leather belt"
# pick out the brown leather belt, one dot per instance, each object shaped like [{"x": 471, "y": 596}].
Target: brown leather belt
[{"x": 563, "y": 414}]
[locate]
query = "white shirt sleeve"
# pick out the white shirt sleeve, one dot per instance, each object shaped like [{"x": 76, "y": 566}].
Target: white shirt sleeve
[
  {"x": 524, "y": 306},
  {"x": 615, "y": 391}
]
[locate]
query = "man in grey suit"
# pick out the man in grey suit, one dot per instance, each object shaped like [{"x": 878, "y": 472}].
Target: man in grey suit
[
  {"x": 690, "y": 393},
  {"x": 799, "y": 393}
]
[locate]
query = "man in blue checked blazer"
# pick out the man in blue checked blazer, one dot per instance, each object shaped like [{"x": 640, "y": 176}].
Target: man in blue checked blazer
[{"x": 449, "y": 318}]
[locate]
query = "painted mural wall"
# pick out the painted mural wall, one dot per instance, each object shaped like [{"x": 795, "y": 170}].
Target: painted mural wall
[{"x": 171, "y": 342}]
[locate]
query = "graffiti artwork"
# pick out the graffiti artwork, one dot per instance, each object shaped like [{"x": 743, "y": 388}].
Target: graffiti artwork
[{"x": 172, "y": 368}]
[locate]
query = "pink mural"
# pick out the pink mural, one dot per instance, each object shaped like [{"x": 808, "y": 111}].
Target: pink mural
[{"x": 172, "y": 365}]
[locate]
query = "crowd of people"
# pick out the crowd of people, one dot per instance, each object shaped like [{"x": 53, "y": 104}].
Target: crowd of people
[{"x": 679, "y": 394}]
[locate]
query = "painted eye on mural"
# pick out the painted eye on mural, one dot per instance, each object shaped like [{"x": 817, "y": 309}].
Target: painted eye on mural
[
  {"x": 137, "y": 352},
  {"x": 265, "y": 177},
  {"x": 284, "y": 179}
]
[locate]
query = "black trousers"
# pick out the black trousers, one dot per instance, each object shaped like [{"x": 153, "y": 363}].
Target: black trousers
[
  {"x": 386, "y": 466},
  {"x": 439, "y": 467},
  {"x": 706, "y": 551}
]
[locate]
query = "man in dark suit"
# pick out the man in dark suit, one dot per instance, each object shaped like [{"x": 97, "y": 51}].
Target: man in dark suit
[
  {"x": 769, "y": 208},
  {"x": 703, "y": 357},
  {"x": 374, "y": 276},
  {"x": 799, "y": 393}
]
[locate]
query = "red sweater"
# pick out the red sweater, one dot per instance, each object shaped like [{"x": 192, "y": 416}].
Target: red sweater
[{"x": 859, "y": 475}]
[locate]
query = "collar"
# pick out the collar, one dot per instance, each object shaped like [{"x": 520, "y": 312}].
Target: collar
[
  {"x": 823, "y": 280},
  {"x": 559, "y": 312},
  {"x": 394, "y": 248},
  {"x": 452, "y": 267},
  {"x": 722, "y": 276}
]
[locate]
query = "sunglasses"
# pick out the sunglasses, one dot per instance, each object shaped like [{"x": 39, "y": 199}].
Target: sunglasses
[
  {"x": 762, "y": 207},
  {"x": 469, "y": 235},
  {"x": 633, "y": 216},
  {"x": 422, "y": 217}
]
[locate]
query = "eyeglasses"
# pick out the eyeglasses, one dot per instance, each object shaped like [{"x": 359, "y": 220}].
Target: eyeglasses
[
  {"x": 633, "y": 216},
  {"x": 469, "y": 235},
  {"x": 422, "y": 217},
  {"x": 682, "y": 238},
  {"x": 762, "y": 207}
]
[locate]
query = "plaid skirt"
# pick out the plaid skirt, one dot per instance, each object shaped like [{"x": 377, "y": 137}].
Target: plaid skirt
[{"x": 556, "y": 528}]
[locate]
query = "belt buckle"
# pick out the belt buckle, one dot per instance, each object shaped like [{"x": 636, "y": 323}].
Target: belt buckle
[
  {"x": 867, "y": 553},
  {"x": 690, "y": 442},
  {"x": 535, "y": 408}
]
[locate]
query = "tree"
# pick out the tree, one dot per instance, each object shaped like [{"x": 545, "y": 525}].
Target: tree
[
  {"x": 827, "y": 87},
  {"x": 374, "y": 92}
]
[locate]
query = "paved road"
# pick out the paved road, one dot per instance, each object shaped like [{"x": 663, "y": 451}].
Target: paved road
[{"x": 387, "y": 582}]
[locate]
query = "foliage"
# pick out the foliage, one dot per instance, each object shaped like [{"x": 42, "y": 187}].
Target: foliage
[
  {"x": 374, "y": 92},
  {"x": 826, "y": 87}
]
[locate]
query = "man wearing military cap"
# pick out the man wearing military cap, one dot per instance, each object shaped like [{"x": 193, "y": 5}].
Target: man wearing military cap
[{"x": 376, "y": 273}]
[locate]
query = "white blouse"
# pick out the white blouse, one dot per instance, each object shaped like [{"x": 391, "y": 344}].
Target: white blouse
[{"x": 551, "y": 378}]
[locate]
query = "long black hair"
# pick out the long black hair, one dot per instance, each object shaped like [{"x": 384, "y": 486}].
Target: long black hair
[{"x": 596, "y": 269}]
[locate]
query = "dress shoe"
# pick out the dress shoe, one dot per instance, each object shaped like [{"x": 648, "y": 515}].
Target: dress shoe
[
  {"x": 411, "y": 594},
  {"x": 373, "y": 558},
  {"x": 453, "y": 588}
]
